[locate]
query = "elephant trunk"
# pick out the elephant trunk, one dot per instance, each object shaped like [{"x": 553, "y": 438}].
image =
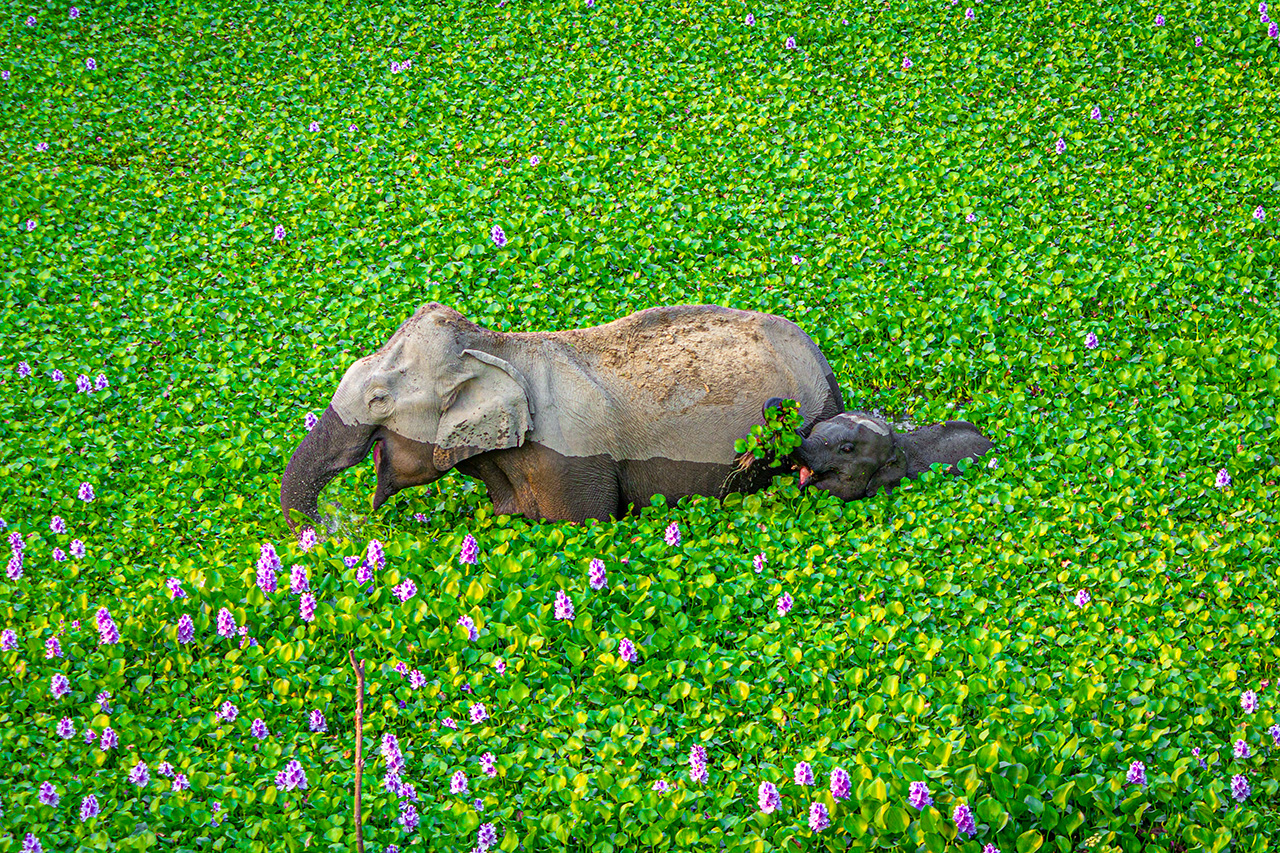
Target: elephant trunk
[
  {"x": 813, "y": 455},
  {"x": 329, "y": 449}
]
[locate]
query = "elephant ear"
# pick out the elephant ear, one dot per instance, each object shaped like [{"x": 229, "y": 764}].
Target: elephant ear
[{"x": 487, "y": 408}]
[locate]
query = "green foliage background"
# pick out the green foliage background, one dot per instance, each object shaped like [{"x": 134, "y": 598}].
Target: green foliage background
[{"x": 684, "y": 157}]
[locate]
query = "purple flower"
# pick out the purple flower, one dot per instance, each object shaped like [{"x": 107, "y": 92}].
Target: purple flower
[
  {"x": 395, "y": 67},
  {"x": 791, "y": 43},
  {"x": 364, "y": 574},
  {"x": 768, "y": 798},
  {"x": 970, "y": 217},
  {"x": 108, "y": 635},
  {"x": 1091, "y": 341},
  {"x": 500, "y": 666},
  {"x": 478, "y": 804},
  {"x": 487, "y": 836},
  {"x": 840, "y": 784},
  {"x": 266, "y": 578},
  {"x": 307, "y": 539},
  {"x": 15, "y": 542},
  {"x": 458, "y": 784},
  {"x": 314, "y": 127},
  {"x": 4, "y": 75},
  {"x": 906, "y": 64},
  {"x": 101, "y": 384},
  {"x": 964, "y": 820},
  {"x": 66, "y": 728},
  {"x": 180, "y": 782},
  {"x": 84, "y": 384},
  {"x": 968, "y": 14},
  {"x": 591, "y": 3},
  {"x": 1159, "y": 20},
  {"x": 409, "y": 816},
  {"x": 42, "y": 146},
  {"x": 277, "y": 235},
  {"x": 1241, "y": 749},
  {"x": 918, "y": 796},
  {"x": 52, "y": 648},
  {"x": 535, "y": 160},
  {"x": 91, "y": 64},
  {"x": 186, "y": 629},
  {"x": 75, "y": 13},
  {"x": 564, "y": 606},
  {"x": 165, "y": 769},
  {"x": 1249, "y": 701},
  {"x": 1096, "y": 115},
  {"x": 405, "y": 591},
  {"x": 1274, "y": 731},
  {"x": 1223, "y": 479},
  {"x": 139, "y": 775},
  {"x": 307, "y": 607},
  {"x": 1199, "y": 41},
  {"x": 1273, "y": 30},
  {"x": 487, "y": 764},
  {"x": 785, "y": 603},
  {"x": 89, "y": 735},
  {"x": 298, "y": 580},
  {"x": 990, "y": 848},
  {"x": 104, "y": 701},
  {"x": 1060, "y": 145},
  {"x": 661, "y": 786},
  {"x": 758, "y": 562},
  {"x": 318, "y": 723},
  {"x": 109, "y": 739},
  {"x": 258, "y": 728},
  {"x": 14, "y": 569},
  {"x": 77, "y": 549},
  {"x": 375, "y": 556},
  {"x": 228, "y": 712},
  {"x": 417, "y": 680},
  {"x": 1082, "y": 598},
  {"x": 478, "y": 713},
  {"x": 31, "y": 226},
  {"x": 818, "y": 818},
  {"x": 59, "y": 686},
  {"x": 31, "y": 844},
  {"x": 469, "y": 623},
  {"x": 1137, "y": 774},
  {"x": 86, "y": 491},
  {"x": 698, "y": 764},
  {"x": 596, "y": 574},
  {"x": 1240, "y": 789},
  {"x": 448, "y": 723},
  {"x": 89, "y": 808},
  {"x": 59, "y": 555},
  {"x": 499, "y": 238},
  {"x": 402, "y": 668},
  {"x": 24, "y": 369},
  {"x": 226, "y": 623},
  {"x": 1258, "y": 212},
  {"x": 310, "y": 421},
  {"x": 392, "y": 754},
  {"x": 8, "y": 640},
  {"x": 804, "y": 773},
  {"x": 48, "y": 794},
  {"x": 175, "y": 589},
  {"x": 627, "y": 650},
  {"x": 796, "y": 260},
  {"x": 351, "y": 128},
  {"x": 672, "y": 536},
  {"x": 292, "y": 777},
  {"x": 470, "y": 550}
]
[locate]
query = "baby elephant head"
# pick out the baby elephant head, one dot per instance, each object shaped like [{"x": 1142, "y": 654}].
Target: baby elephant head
[
  {"x": 843, "y": 454},
  {"x": 854, "y": 454}
]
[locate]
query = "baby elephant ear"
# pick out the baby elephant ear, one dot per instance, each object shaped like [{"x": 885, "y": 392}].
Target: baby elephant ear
[{"x": 488, "y": 408}]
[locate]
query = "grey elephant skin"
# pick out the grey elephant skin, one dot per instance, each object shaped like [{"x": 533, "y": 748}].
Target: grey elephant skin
[
  {"x": 588, "y": 423},
  {"x": 855, "y": 454}
]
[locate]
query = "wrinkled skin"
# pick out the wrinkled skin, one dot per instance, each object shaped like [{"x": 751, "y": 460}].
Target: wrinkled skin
[
  {"x": 589, "y": 423},
  {"x": 855, "y": 454}
]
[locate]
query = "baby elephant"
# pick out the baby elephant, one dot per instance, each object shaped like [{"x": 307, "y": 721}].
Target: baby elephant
[{"x": 855, "y": 454}]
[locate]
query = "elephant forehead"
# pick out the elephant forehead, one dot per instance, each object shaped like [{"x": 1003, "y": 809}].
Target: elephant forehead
[{"x": 853, "y": 420}]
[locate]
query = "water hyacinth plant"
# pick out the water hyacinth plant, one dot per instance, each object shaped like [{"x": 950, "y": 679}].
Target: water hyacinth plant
[{"x": 1013, "y": 638}]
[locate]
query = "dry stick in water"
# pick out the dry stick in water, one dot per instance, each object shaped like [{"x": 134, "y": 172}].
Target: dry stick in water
[{"x": 359, "y": 671}]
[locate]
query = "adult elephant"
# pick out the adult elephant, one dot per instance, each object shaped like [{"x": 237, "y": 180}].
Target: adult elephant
[{"x": 572, "y": 425}]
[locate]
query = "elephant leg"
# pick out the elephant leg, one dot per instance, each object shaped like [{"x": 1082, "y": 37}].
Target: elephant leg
[{"x": 537, "y": 482}]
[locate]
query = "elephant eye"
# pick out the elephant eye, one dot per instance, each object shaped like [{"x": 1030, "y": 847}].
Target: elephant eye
[
  {"x": 379, "y": 400},
  {"x": 846, "y": 448}
]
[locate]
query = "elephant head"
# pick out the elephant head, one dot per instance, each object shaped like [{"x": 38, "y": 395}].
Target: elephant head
[
  {"x": 842, "y": 454},
  {"x": 855, "y": 454},
  {"x": 438, "y": 393}
]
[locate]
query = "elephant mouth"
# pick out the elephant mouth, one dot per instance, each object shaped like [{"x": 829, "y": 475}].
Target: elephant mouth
[
  {"x": 385, "y": 488},
  {"x": 806, "y": 475}
]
